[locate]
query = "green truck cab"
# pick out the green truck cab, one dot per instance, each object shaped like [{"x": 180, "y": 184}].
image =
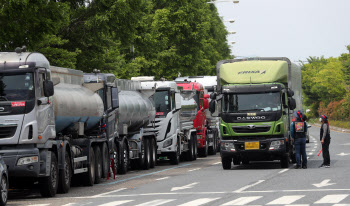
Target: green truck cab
[{"x": 255, "y": 99}]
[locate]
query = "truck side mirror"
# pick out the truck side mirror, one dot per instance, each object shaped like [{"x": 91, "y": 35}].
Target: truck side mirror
[
  {"x": 48, "y": 88},
  {"x": 115, "y": 98},
  {"x": 206, "y": 103},
  {"x": 292, "y": 103},
  {"x": 177, "y": 101},
  {"x": 290, "y": 93},
  {"x": 212, "y": 106},
  {"x": 213, "y": 96},
  {"x": 206, "y": 96}
]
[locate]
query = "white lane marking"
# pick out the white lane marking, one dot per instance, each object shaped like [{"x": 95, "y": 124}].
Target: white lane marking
[
  {"x": 200, "y": 201},
  {"x": 164, "y": 178},
  {"x": 69, "y": 204},
  {"x": 310, "y": 153},
  {"x": 313, "y": 150},
  {"x": 156, "y": 202},
  {"x": 324, "y": 183},
  {"x": 120, "y": 202},
  {"x": 285, "y": 170},
  {"x": 242, "y": 200},
  {"x": 343, "y": 154},
  {"x": 331, "y": 199},
  {"x": 307, "y": 157},
  {"x": 40, "y": 205},
  {"x": 189, "y": 186},
  {"x": 341, "y": 205},
  {"x": 216, "y": 163},
  {"x": 106, "y": 193},
  {"x": 248, "y": 186},
  {"x": 194, "y": 169},
  {"x": 286, "y": 200}
]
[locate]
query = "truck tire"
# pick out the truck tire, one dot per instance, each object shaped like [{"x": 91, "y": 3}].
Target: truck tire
[
  {"x": 204, "y": 151},
  {"x": 88, "y": 178},
  {"x": 124, "y": 159},
  {"x": 49, "y": 185},
  {"x": 98, "y": 164},
  {"x": 190, "y": 152},
  {"x": 4, "y": 190},
  {"x": 284, "y": 161},
  {"x": 212, "y": 149},
  {"x": 153, "y": 151},
  {"x": 105, "y": 160},
  {"x": 226, "y": 163},
  {"x": 147, "y": 160},
  {"x": 115, "y": 157},
  {"x": 195, "y": 148},
  {"x": 65, "y": 175},
  {"x": 245, "y": 161},
  {"x": 236, "y": 160},
  {"x": 175, "y": 157}
]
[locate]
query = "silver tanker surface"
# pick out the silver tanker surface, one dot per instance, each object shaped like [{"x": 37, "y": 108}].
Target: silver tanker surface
[
  {"x": 136, "y": 110},
  {"x": 73, "y": 102}
]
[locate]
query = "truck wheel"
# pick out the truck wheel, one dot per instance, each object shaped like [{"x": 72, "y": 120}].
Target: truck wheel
[
  {"x": 190, "y": 152},
  {"x": 204, "y": 151},
  {"x": 98, "y": 164},
  {"x": 175, "y": 157},
  {"x": 48, "y": 185},
  {"x": 236, "y": 160},
  {"x": 153, "y": 151},
  {"x": 147, "y": 162},
  {"x": 4, "y": 190},
  {"x": 226, "y": 162},
  {"x": 212, "y": 150},
  {"x": 124, "y": 159},
  {"x": 105, "y": 160},
  {"x": 245, "y": 161},
  {"x": 89, "y": 176},
  {"x": 65, "y": 175},
  {"x": 115, "y": 157},
  {"x": 284, "y": 161},
  {"x": 195, "y": 148}
]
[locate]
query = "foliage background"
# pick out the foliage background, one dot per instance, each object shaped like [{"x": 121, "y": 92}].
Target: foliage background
[{"x": 169, "y": 36}]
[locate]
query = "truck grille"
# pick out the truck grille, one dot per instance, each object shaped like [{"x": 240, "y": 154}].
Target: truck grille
[
  {"x": 7, "y": 131},
  {"x": 251, "y": 128}
]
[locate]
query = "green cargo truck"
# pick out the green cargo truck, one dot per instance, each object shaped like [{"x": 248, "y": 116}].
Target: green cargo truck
[{"x": 255, "y": 99}]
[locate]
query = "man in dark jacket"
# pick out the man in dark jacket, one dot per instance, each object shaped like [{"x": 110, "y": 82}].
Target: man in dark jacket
[
  {"x": 298, "y": 130},
  {"x": 325, "y": 139}
]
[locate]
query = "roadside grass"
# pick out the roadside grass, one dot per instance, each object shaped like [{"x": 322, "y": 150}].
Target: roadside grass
[{"x": 335, "y": 123}]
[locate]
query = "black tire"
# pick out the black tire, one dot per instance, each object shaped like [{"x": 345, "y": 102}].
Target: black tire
[
  {"x": 190, "y": 152},
  {"x": 226, "y": 163},
  {"x": 4, "y": 186},
  {"x": 105, "y": 160},
  {"x": 49, "y": 185},
  {"x": 147, "y": 160},
  {"x": 245, "y": 161},
  {"x": 115, "y": 156},
  {"x": 195, "y": 148},
  {"x": 204, "y": 151},
  {"x": 65, "y": 175},
  {"x": 124, "y": 159},
  {"x": 98, "y": 164},
  {"x": 88, "y": 178},
  {"x": 175, "y": 157},
  {"x": 212, "y": 150},
  {"x": 153, "y": 151},
  {"x": 284, "y": 161},
  {"x": 236, "y": 160}
]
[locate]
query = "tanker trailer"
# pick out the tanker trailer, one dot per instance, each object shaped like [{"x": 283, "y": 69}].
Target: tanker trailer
[
  {"x": 137, "y": 147},
  {"x": 48, "y": 138}
]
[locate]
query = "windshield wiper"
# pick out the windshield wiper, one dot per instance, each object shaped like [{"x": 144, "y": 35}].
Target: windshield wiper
[
  {"x": 3, "y": 98},
  {"x": 245, "y": 110}
]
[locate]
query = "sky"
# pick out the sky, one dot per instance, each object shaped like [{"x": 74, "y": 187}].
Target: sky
[{"x": 296, "y": 29}]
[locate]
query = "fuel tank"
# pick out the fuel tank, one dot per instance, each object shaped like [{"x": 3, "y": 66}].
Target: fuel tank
[
  {"x": 75, "y": 103},
  {"x": 136, "y": 110}
]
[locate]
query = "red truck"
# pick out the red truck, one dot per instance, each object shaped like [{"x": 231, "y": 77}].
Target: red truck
[{"x": 194, "y": 92}]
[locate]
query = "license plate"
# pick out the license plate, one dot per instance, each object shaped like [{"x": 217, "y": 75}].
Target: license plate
[{"x": 251, "y": 145}]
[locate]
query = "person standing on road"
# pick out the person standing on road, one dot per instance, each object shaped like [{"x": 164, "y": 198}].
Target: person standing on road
[
  {"x": 325, "y": 139},
  {"x": 298, "y": 130}
]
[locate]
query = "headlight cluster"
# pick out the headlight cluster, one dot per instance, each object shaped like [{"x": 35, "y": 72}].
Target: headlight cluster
[
  {"x": 229, "y": 146},
  {"x": 276, "y": 144},
  {"x": 167, "y": 143},
  {"x": 27, "y": 160}
]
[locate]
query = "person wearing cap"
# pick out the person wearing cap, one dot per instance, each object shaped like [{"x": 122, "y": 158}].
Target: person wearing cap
[
  {"x": 325, "y": 139},
  {"x": 298, "y": 130}
]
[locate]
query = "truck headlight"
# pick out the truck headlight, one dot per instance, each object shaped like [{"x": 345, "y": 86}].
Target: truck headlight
[
  {"x": 27, "y": 160},
  {"x": 167, "y": 143},
  {"x": 276, "y": 144}
]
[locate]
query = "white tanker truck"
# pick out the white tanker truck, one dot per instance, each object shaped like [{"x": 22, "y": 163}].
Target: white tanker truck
[
  {"x": 57, "y": 123},
  {"x": 173, "y": 124}
]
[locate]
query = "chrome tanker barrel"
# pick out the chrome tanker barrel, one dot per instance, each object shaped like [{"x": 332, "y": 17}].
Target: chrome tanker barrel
[
  {"x": 73, "y": 102},
  {"x": 136, "y": 109}
]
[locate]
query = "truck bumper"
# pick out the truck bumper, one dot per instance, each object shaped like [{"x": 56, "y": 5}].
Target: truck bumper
[
  {"x": 11, "y": 157},
  {"x": 269, "y": 149}
]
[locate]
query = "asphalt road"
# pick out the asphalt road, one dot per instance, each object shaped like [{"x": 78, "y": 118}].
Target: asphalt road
[{"x": 204, "y": 182}]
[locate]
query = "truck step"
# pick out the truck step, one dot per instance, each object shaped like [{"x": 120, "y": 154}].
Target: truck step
[
  {"x": 80, "y": 159},
  {"x": 77, "y": 171}
]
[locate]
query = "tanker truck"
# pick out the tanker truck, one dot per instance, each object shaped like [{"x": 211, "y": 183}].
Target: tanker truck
[
  {"x": 194, "y": 104},
  {"x": 255, "y": 99},
  {"x": 137, "y": 146},
  {"x": 175, "y": 133},
  {"x": 54, "y": 128},
  {"x": 213, "y": 123}
]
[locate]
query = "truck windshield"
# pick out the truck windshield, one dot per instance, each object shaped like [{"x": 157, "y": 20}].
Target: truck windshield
[
  {"x": 14, "y": 87},
  {"x": 162, "y": 101},
  {"x": 261, "y": 102}
]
